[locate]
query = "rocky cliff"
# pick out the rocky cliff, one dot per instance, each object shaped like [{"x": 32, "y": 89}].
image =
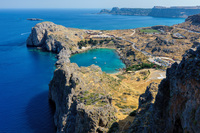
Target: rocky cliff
[
  {"x": 177, "y": 106},
  {"x": 82, "y": 102},
  {"x": 52, "y": 37}
]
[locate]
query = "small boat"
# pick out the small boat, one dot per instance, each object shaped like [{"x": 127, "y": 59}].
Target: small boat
[{"x": 94, "y": 58}]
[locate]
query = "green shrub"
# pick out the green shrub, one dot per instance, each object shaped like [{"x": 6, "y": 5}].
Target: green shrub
[
  {"x": 141, "y": 66},
  {"x": 121, "y": 77}
]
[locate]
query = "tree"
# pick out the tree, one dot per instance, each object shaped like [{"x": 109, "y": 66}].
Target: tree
[
  {"x": 90, "y": 41},
  {"x": 101, "y": 42},
  {"x": 86, "y": 42},
  {"x": 95, "y": 42}
]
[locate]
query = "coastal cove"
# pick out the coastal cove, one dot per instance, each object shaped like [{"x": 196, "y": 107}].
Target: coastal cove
[
  {"x": 107, "y": 59},
  {"x": 26, "y": 72}
]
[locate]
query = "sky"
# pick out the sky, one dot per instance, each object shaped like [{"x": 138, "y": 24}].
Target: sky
[{"x": 94, "y": 3}]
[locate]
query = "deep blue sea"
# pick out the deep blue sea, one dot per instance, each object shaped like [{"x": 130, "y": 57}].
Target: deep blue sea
[{"x": 25, "y": 73}]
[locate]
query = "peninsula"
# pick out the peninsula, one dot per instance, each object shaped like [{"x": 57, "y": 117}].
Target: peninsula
[
  {"x": 89, "y": 100},
  {"x": 156, "y": 11}
]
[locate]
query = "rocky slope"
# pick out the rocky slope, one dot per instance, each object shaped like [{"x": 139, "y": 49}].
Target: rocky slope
[
  {"x": 176, "y": 107},
  {"x": 192, "y": 23}
]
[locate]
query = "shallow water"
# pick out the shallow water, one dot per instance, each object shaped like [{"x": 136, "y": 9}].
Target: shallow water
[{"x": 107, "y": 59}]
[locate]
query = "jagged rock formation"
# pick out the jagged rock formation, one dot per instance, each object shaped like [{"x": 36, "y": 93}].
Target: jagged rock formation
[
  {"x": 81, "y": 102},
  {"x": 157, "y": 11},
  {"x": 177, "y": 107},
  {"x": 52, "y": 37}
]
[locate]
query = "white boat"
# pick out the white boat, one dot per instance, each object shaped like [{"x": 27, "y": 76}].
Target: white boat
[{"x": 94, "y": 58}]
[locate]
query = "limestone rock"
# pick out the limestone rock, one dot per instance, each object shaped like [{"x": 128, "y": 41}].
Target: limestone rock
[
  {"x": 39, "y": 34},
  {"x": 54, "y": 38}
]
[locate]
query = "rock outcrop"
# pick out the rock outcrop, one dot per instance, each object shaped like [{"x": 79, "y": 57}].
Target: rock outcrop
[
  {"x": 52, "y": 37},
  {"x": 177, "y": 106}
]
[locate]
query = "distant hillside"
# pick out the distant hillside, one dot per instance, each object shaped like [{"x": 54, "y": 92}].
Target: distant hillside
[
  {"x": 157, "y": 11},
  {"x": 127, "y": 11}
]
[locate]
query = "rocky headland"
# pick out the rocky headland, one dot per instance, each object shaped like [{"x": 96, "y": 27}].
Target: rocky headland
[
  {"x": 157, "y": 11},
  {"x": 81, "y": 96},
  {"x": 53, "y": 38}
]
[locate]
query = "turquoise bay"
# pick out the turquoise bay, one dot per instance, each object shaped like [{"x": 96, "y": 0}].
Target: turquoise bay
[{"x": 107, "y": 59}]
